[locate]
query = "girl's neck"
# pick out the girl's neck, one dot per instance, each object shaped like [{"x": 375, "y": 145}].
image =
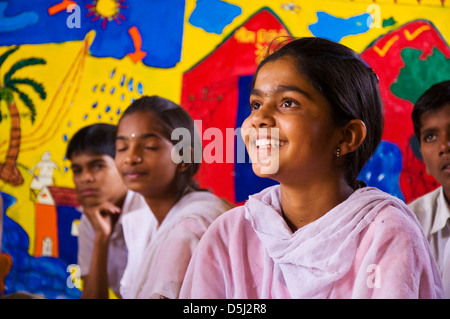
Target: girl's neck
[
  {"x": 161, "y": 205},
  {"x": 303, "y": 205}
]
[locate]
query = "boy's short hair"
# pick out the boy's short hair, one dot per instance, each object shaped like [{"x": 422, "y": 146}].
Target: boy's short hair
[
  {"x": 97, "y": 138},
  {"x": 433, "y": 99}
]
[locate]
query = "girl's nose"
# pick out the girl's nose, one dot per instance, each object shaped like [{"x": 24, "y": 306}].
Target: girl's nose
[
  {"x": 134, "y": 155},
  {"x": 263, "y": 117}
]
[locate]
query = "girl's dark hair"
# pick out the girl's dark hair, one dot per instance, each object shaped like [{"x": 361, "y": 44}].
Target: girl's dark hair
[
  {"x": 98, "y": 138},
  {"x": 171, "y": 116},
  {"x": 437, "y": 96},
  {"x": 348, "y": 84}
]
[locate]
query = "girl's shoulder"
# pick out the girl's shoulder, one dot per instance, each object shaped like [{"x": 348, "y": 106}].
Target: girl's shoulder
[
  {"x": 397, "y": 224},
  {"x": 391, "y": 210},
  {"x": 232, "y": 216},
  {"x": 203, "y": 201},
  {"x": 199, "y": 209},
  {"x": 396, "y": 218},
  {"x": 230, "y": 224}
]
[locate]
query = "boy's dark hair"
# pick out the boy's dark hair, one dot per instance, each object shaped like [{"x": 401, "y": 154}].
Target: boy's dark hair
[
  {"x": 97, "y": 138},
  {"x": 170, "y": 116},
  {"x": 437, "y": 96},
  {"x": 349, "y": 86}
]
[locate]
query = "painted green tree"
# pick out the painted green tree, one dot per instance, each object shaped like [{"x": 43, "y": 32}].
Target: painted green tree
[
  {"x": 9, "y": 89},
  {"x": 419, "y": 75}
]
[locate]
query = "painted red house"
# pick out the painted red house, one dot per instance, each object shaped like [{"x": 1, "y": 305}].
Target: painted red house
[{"x": 56, "y": 223}]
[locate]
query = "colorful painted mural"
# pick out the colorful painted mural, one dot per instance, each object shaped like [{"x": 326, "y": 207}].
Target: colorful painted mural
[{"x": 66, "y": 64}]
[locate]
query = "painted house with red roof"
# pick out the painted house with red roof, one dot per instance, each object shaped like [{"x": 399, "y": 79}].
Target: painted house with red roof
[{"x": 57, "y": 224}]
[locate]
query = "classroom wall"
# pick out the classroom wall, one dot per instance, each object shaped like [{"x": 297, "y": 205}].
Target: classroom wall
[{"x": 67, "y": 64}]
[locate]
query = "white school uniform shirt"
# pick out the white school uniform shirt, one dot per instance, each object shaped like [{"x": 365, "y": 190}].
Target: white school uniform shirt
[
  {"x": 159, "y": 255},
  {"x": 433, "y": 213},
  {"x": 117, "y": 250}
]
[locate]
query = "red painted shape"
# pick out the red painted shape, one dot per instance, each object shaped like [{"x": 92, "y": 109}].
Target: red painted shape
[
  {"x": 138, "y": 54},
  {"x": 62, "y": 6},
  {"x": 384, "y": 56}
]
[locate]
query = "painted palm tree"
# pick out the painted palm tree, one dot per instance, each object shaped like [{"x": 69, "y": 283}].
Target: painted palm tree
[{"x": 8, "y": 89}]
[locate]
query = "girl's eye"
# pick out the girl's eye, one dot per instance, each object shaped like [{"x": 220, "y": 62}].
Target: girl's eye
[
  {"x": 289, "y": 103},
  {"x": 254, "y": 105},
  {"x": 121, "y": 147}
]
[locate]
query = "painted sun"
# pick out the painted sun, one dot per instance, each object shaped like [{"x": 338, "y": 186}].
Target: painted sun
[{"x": 106, "y": 10}]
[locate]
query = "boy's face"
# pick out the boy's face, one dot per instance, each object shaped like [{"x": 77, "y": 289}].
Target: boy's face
[
  {"x": 435, "y": 144},
  {"x": 96, "y": 179}
]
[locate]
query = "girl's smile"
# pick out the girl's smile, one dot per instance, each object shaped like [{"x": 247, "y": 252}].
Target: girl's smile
[
  {"x": 263, "y": 148},
  {"x": 268, "y": 143}
]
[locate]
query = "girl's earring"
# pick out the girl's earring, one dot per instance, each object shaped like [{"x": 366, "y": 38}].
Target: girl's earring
[{"x": 338, "y": 152}]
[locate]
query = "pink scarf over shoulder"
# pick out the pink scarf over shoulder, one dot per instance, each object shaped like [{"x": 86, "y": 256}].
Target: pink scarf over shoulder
[
  {"x": 320, "y": 254},
  {"x": 369, "y": 246}
]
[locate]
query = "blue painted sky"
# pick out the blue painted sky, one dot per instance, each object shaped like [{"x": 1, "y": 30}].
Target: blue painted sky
[
  {"x": 160, "y": 26},
  {"x": 213, "y": 15},
  {"x": 17, "y": 22},
  {"x": 335, "y": 28}
]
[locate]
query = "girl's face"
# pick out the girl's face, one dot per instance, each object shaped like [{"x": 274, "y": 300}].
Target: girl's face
[
  {"x": 289, "y": 134},
  {"x": 143, "y": 155}
]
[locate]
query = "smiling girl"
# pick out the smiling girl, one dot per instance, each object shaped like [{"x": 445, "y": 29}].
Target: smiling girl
[
  {"x": 160, "y": 241},
  {"x": 316, "y": 114}
]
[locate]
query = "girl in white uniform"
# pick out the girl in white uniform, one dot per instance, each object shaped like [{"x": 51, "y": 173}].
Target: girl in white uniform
[{"x": 161, "y": 243}]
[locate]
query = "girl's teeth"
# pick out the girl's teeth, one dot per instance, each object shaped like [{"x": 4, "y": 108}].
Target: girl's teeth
[{"x": 267, "y": 142}]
